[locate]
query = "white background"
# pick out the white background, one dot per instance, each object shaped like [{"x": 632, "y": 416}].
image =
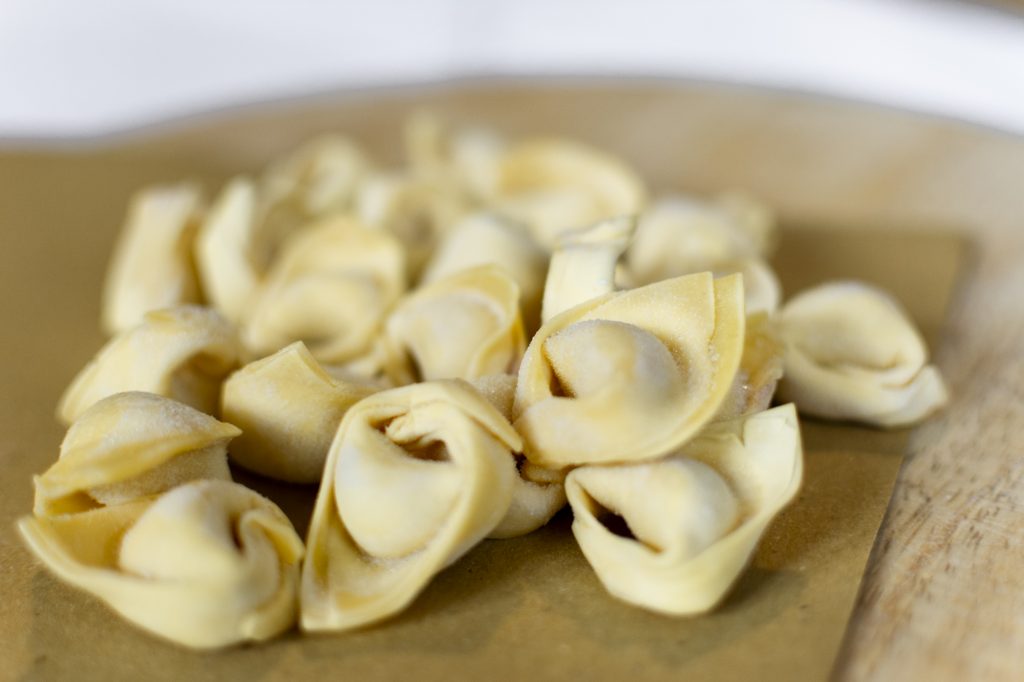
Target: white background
[{"x": 82, "y": 68}]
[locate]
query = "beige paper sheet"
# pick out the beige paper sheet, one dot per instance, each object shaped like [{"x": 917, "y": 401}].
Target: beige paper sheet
[{"x": 528, "y": 608}]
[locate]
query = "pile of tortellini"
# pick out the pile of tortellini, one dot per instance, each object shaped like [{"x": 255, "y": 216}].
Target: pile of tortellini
[{"x": 452, "y": 351}]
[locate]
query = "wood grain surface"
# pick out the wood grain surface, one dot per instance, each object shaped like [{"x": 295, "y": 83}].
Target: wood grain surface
[{"x": 943, "y": 598}]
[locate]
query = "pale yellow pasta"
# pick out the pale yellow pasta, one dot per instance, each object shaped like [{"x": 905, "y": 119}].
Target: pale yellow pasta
[
  {"x": 415, "y": 477},
  {"x": 680, "y": 235},
  {"x": 584, "y": 264},
  {"x": 417, "y": 212},
  {"x": 630, "y": 375},
  {"x": 130, "y": 445},
  {"x": 555, "y": 185},
  {"x": 851, "y": 352},
  {"x": 537, "y": 493},
  {"x": 250, "y": 220},
  {"x": 288, "y": 408},
  {"x": 152, "y": 267},
  {"x": 182, "y": 353},
  {"x": 761, "y": 284},
  {"x": 463, "y": 159},
  {"x": 464, "y": 326},
  {"x": 319, "y": 178},
  {"x": 753, "y": 218},
  {"x": 487, "y": 238},
  {"x": 761, "y": 368},
  {"x": 205, "y": 565},
  {"x": 231, "y": 249},
  {"x": 453, "y": 349},
  {"x": 331, "y": 288},
  {"x": 672, "y": 535}
]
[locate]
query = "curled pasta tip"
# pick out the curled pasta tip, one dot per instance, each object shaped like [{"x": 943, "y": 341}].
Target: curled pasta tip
[
  {"x": 672, "y": 535},
  {"x": 231, "y": 250},
  {"x": 851, "y": 352},
  {"x": 583, "y": 265}
]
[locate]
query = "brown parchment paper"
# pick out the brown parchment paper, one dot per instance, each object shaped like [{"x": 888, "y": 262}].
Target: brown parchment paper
[{"x": 528, "y": 608}]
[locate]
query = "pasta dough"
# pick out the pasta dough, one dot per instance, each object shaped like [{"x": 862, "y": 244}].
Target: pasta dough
[
  {"x": 151, "y": 267},
  {"x": 182, "y": 353},
  {"x": 487, "y": 238},
  {"x": 415, "y": 477},
  {"x": 465, "y": 326},
  {"x": 537, "y": 493},
  {"x": 554, "y": 185},
  {"x": 207, "y": 564},
  {"x": 418, "y": 213},
  {"x": 231, "y": 250},
  {"x": 331, "y": 288},
  {"x": 630, "y": 375},
  {"x": 319, "y": 178},
  {"x": 761, "y": 368},
  {"x": 852, "y": 353},
  {"x": 679, "y": 235},
  {"x": 288, "y": 408},
  {"x": 572, "y": 342},
  {"x": 462, "y": 159},
  {"x": 672, "y": 535},
  {"x": 250, "y": 220},
  {"x": 583, "y": 266},
  {"x": 130, "y": 445}
]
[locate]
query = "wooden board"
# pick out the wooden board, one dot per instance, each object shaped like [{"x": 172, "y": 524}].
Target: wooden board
[{"x": 530, "y": 606}]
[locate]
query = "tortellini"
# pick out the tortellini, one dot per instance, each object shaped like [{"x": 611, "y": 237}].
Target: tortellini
[
  {"x": 465, "y": 326},
  {"x": 554, "y": 185},
  {"x": 152, "y": 267},
  {"x": 182, "y": 353},
  {"x": 453, "y": 350},
  {"x": 331, "y": 288},
  {"x": 288, "y": 408},
  {"x": 250, "y": 220},
  {"x": 415, "y": 477},
  {"x": 630, "y": 375},
  {"x": 852, "y": 353},
  {"x": 418, "y": 213},
  {"x": 131, "y": 445},
  {"x": 537, "y": 493},
  {"x": 232, "y": 250},
  {"x": 465, "y": 160},
  {"x": 319, "y": 178},
  {"x": 487, "y": 238},
  {"x": 583, "y": 266},
  {"x": 207, "y": 564},
  {"x": 761, "y": 368},
  {"x": 679, "y": 235},
  {"x": 672, "y": 535}
]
